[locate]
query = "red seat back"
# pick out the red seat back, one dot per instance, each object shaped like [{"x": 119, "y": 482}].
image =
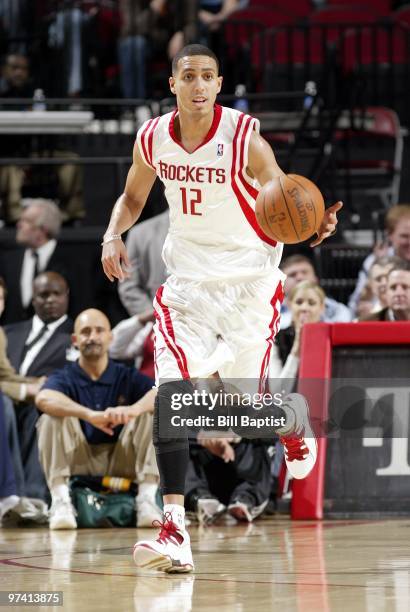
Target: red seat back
[
  {"x": 296, "y": 8},
  {"x": 243, "y": 25},
  {"x": 381, "y": 7},
  {"x": 402, "y": 15},
  {"x": 375, "y": 46}
]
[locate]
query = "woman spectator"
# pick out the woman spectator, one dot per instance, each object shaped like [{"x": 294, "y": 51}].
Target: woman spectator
[{"x": 306, "y": 302}]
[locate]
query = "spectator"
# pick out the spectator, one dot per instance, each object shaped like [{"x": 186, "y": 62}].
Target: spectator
[
  {"x": 64, "y": 185},
  {"x": 8, "y": 489},
  {"x": 144, "y": 244},
  {"x": 16, "y": 18},
  {"x": 365, "y": 303},
  {"x": 37, "y": 231},
  {"x": 212, "y": 13},
  {"x": 397, "y": 296},
  {"x": 133, "y": 339},
  {"x": 151, "y": 29},
  {"x": 373, "y": 295},
  {"x": 307, "y": 304},
  {"x": 36, "y": 348},
  {"x": 298, "y": 268},
  {"x": 67, "y": 39},
  {"x": 15, "y": 81},
  {"x": 397, "y": 224},
  {"x": 86, "y": 405},
  {"x": 378, "y": 279},
  {"x": 17, "y": 387},
  {"x": 230, "y": 474}
]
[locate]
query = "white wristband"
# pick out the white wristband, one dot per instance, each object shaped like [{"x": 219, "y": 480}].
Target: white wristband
[{"x": 110, "y": 238}]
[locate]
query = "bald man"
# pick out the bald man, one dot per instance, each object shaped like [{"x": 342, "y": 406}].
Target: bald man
[{"x": 97, "y": 421}]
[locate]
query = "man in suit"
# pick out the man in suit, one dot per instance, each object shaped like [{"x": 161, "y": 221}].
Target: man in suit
[
  {"x": 37, "y": 231},
  {"x": 37, "y": 347},
  {"x": 148, "y": 272},
  {"x": 397, "y": 296}
]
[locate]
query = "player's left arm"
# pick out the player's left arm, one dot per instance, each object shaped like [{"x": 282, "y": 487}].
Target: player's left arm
[{"x": 263, "y": 166}]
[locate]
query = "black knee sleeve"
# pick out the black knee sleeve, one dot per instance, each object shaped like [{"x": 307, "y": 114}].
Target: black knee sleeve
[{"x": 171, "y": 442}]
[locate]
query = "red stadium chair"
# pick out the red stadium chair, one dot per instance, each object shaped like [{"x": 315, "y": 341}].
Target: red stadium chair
[
  {"x": 381, "y": 7},
  {"x": 371, "y": 154},
  {"x": 402, "y": 15},
  {"x": 343, "y": 15},
  {"x": 375, "y": 59},
  {"x": 296, "y": 8},
  {"x": 245, "y": 26},
  {"x": 375, "y": 46}
]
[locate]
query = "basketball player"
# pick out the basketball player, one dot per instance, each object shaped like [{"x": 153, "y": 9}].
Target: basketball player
[{"x": 219, "y": 309}]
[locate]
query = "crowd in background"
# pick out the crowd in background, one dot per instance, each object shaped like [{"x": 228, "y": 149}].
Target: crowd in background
[
  {"x": 112, "y": 48},
  {"x": 59, "y": 356},
  {"x": 108, "y": 48},
  {"x": 63, "y": 370}
]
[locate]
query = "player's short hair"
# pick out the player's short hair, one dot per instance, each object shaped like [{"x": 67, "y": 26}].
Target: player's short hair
[
  {"x": 190, "y": 50},
  {"x": 295, "y": 259},
  {"x": 394, "y": 214},
  {"x": 49, "y": 217},
  {"x": 305, "y": 285}
]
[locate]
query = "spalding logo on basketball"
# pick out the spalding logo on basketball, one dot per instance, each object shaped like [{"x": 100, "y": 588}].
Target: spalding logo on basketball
[{"x": 289, "y": 209}]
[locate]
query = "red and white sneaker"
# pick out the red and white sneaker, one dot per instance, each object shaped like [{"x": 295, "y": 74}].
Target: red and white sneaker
[
  {"x": 300, "y": 446},
  {"x": 170, "y": 552}
]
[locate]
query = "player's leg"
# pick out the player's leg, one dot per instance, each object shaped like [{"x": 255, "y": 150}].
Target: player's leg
[
  {"x": 171, "y": 551},
  {"x": 251, "y": 341},
  {"x": 184, "y": 343}
]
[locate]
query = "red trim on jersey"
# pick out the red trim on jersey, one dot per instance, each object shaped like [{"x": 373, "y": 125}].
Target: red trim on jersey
[
  {"x": 144, "y": 148},
  {"x": 150, "y": 139},
  {"x": 176, "y": 350},
  {"x": 251, "y": 190},
  {"x": 264, "y": 371},
  {"x": 246, "y": 208},
  {"x": 212, "y": 130}
]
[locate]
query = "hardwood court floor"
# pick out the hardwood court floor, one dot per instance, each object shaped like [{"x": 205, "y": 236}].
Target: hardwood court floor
[{"x": 272, "y": 564}]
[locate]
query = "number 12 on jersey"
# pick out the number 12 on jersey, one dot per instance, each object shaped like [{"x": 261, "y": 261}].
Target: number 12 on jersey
[{"x": 190, "y": 198}]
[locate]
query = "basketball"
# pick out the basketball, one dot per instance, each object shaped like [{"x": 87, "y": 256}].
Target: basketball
[{"x": 289, "y": 209}]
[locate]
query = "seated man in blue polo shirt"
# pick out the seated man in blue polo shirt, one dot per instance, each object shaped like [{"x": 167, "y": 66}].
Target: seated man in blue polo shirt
[{"x": 98, "y": 422}]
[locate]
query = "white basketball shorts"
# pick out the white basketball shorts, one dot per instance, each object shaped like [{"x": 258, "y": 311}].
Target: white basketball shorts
[{"x": 229, "y": 328}]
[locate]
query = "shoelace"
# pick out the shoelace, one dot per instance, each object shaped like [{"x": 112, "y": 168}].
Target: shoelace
[
  {"x": 294, "y": 448},
  {"x": 169, "y": 531}
]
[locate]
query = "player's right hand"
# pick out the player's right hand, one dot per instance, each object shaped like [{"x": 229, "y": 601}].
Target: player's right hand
[{"x": 115, "y": 260}]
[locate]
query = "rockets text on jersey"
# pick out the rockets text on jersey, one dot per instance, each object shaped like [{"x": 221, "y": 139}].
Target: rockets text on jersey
[{"x": 213, "y": 231}]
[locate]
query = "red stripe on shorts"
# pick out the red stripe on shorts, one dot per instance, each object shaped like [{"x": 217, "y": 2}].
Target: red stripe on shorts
[
  {"x": 169, "y": 335},
  {"x": 278, "y": 295}
]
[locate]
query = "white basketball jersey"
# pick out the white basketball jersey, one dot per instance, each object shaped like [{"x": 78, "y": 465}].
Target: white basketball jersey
[{"x": 213, "y": 232}]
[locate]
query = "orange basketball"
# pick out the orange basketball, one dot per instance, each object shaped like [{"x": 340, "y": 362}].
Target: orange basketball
[{"x": 289, "y": 209}]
